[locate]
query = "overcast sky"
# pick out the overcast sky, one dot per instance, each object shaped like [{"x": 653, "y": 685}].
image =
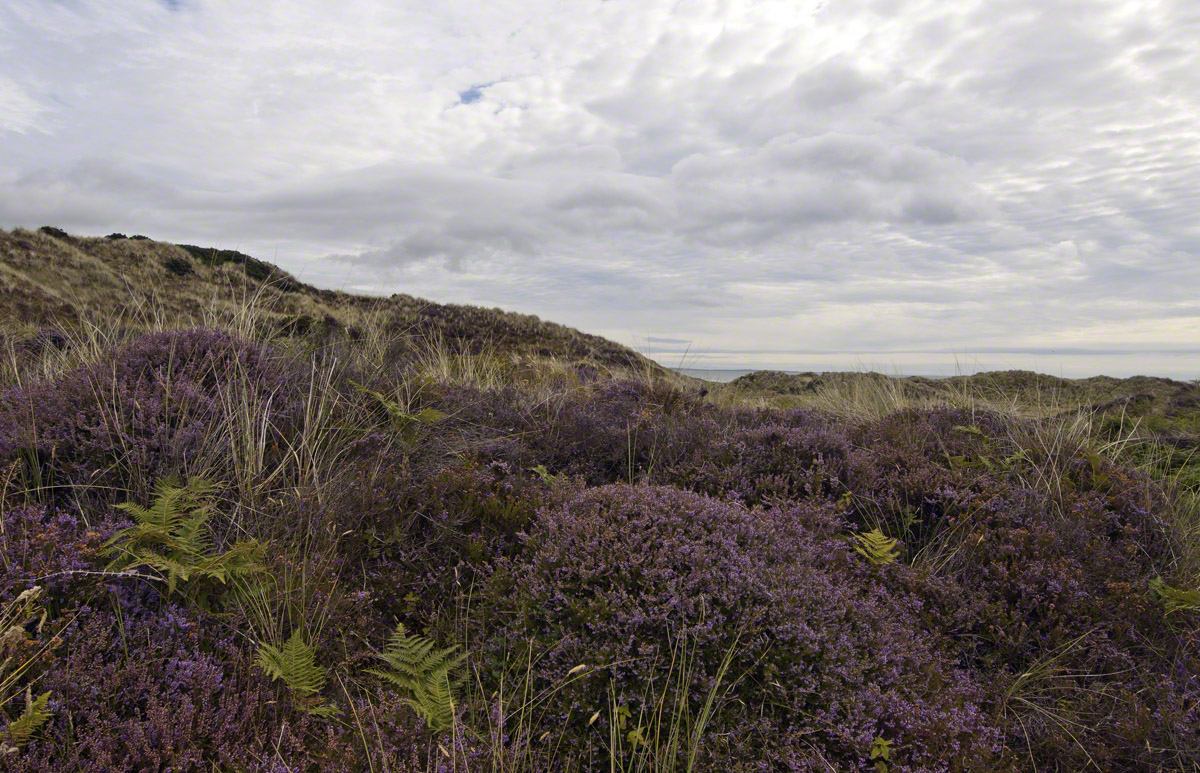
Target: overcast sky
[{"x": 794, "y": 184}]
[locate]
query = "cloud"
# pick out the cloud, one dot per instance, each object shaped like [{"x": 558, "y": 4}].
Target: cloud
[
  {"x": 19, "y": 112},
  {"x": 912, "y": 177}
]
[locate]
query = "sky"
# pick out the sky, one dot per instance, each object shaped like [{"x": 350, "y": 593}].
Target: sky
[{"x": 905, "y": 185}]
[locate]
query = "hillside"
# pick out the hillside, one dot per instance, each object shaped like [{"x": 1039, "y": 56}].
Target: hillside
[
  {"x": 50, "y": 278},
  {"x": 1136, "y": 395},
  {"x": 250, "y": 525}
]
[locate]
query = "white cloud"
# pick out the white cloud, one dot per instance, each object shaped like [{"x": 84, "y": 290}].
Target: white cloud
[
  {"x": 826, "y": 176},
  {"x": 19, "y": 112}
]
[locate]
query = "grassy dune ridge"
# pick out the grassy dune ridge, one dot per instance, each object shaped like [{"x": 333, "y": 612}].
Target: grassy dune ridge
[{"x": 252, "y": 525}]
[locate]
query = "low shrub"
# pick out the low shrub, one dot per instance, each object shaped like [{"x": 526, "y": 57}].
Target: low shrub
[
  {"x": 178, "y": 266},
  {"x": 800, "y": 456},
  {"x": 822, "y": 661},
  {"x": 144, "y": 413}
]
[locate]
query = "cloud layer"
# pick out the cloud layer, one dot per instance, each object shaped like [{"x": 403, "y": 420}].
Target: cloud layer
[{"x": 767, "y": 181}]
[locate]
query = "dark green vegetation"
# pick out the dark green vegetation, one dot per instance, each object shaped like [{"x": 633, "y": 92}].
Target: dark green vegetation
[{"x": 403, "y": 536}]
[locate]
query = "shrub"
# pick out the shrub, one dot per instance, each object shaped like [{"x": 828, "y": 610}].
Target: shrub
[
  {"x": 613, "y": 431},
  {"x": 790, "y": 456},
  {"x": 1056, "y": 606},
  {"x": 255, "y": 269},
  {"x": 178, "y": 266},
  {"x": 423, "y": 532},
  {"x": 143, "y": 413},
  {"x": 1037, "y": 562},
  {"x": 46, "y": 546},
  {"x": 823, "y": 660},
  {"x": 57, "y": 233},
  {"x": 153, "y": 692},
  {"x": 112, "y": 237}
]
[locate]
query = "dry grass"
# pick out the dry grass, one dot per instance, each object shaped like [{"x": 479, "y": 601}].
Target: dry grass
[{"x": 76, "y": 281}]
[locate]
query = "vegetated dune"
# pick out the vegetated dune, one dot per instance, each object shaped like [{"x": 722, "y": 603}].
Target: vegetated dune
[
  {"x": 1017, "y": 387},
  {"x": 49, "y": 277},
  {"x": 255, "y": 545}
]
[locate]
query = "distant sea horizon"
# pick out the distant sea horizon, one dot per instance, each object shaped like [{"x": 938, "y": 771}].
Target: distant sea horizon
[{"x": 1178, "y": 366}]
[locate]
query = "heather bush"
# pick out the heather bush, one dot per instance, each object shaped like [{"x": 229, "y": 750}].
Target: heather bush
[
  {"x": 152, "y": 689},
  {"x": 47, "y": 547},
  {"x": 823, "y": 660},
  {"x": 608, "y": 432},
  {"x": 1035, "y": 561},
  {"x": 792, "y": 456},
  {"x": 425, "y": 532},
  {"x": 146, "y": 412},
  {"x": 1056, "y": 607}
]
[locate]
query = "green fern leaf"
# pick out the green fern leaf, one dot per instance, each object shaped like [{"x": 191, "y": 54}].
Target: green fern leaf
[
  {"x": 325, "y": 711},
  {"x": 172, "y": 536},
  {"x": 295, "y": 665},
  {"x": 424, "y": 674},
  {"x": 21, "y": 729},
  {"x": 1175, "y": 599},
  {"x": 875, "y": 546}
]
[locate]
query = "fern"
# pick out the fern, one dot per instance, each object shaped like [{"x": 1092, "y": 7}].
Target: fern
[
  {"x": 1175, "y": 599},
  {"x": 546, "y": 476},
  {"x": 172, "y": 537},
  {"x": 296, "y": 666},
  {"x": 18, "y": 658},
  {"x": 875, "y": 547},
  {"x": 404, "y": 423},
  {"x": 424, "y": 674},
  {"x": 21, "y": 729}
]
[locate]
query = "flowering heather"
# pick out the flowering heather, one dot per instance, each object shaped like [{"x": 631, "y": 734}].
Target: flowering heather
[
  {"x": 823, "y": 659},
  {"x": 145, "y": 412},
  {"x": 609, "y": 554},
  {"x": 799, "y": 456},
  {"x": 43, "y": 547}
]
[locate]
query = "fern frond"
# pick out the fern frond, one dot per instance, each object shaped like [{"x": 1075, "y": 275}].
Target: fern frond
[
  {"x": 295, "y": 665},
  {"x": 172, "y": 536},
  {"x": 403, "y": 422},
  {"x": 875, "y": 546},
  {"x": 21, "y": 729},
  {"x": 1175, "y": 599},
  {"x": 423, "y": 673}
]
